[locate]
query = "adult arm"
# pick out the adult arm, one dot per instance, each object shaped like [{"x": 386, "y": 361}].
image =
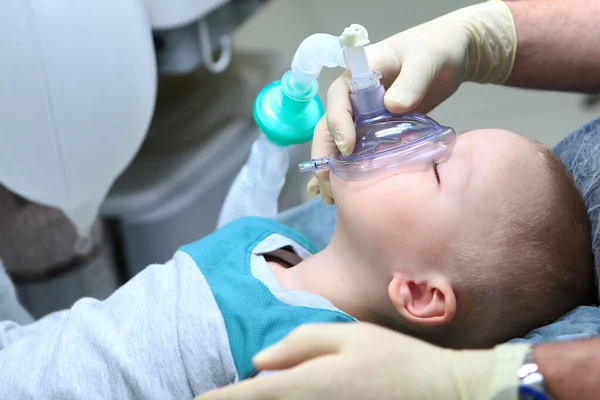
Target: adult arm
[
  {"x": 364, "y": 361},
  {"x": 558, "y": 46},
  {"x": 571, "y": 369},
  {"x": 357, "y": 361}
]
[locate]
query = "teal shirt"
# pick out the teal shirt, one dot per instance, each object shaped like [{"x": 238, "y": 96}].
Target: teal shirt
[{"x": 254, "y": 317}]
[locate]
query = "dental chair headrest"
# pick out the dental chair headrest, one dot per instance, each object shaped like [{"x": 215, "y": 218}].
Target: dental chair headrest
[{"x": 580, "y": 151}]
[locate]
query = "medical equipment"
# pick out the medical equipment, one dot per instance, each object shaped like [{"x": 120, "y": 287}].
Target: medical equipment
[
  {"x": 384, "y": 141},
  {"x": 79, "y": 86},
  {"x": 286, "y": 112},
  {"x": 76, "y": 99},
  {"x": 389, "y": 143},
  {"x": 200, "y": 138}
]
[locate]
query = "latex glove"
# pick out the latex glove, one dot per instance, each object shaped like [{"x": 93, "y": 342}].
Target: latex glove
[
  {"x": 422, "y": 67},
  {"x": 364, "y": 361}
]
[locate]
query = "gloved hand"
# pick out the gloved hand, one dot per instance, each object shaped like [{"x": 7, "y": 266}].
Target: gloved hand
[
  {"x": 422, "y": 67},
  {"x": 364, "y": 361}
]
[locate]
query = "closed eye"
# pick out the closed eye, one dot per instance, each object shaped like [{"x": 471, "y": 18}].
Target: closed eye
[{"x": 435, "y": 171}]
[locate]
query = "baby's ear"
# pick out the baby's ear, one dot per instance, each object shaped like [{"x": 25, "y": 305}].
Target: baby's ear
[{"x": 427, "y": 301}]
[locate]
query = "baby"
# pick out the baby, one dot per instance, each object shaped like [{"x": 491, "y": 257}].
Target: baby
[
  {"x": 469, "y": 253},
  {"x": 478, "y": 250}
]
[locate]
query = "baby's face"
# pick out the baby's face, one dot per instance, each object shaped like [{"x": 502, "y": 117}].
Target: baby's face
[{"x": 410, "y": 220}]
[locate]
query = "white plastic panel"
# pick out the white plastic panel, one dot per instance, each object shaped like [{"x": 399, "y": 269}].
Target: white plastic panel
[{"x": 168, "y": 14}]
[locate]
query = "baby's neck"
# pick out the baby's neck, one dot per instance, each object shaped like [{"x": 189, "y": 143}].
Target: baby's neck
[{"x": 326, "y": 275}]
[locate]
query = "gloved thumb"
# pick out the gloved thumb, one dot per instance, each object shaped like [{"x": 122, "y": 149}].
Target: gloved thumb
[
  {"x": 303, "y": 344},
  {"x": 411, "y": 86}
]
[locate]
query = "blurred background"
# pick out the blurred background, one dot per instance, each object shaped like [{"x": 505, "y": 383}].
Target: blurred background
[{"x": 202, "y": 131}]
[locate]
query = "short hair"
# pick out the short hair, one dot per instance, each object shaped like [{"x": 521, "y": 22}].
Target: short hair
[{"x": 542, "y": 263}]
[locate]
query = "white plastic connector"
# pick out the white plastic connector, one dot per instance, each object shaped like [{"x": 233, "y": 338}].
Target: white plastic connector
[
  {"x": 353, "y": 41},
  {"x": 354, "y": 36}
]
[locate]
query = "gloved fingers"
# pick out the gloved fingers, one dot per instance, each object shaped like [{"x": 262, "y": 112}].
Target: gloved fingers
[
  {"x": 318, "y": 379},
  {"x": 339, "y": 115},
  {"x": 327, "y": 199},
  {"x": 313, "y": 186},
  {"x": 276, "y": 386},
  {"x": 384, "y": 58},
  {"x": 437, "y": 94},
  {"x": 323, "y": 145},
  {"x": 411, "y": 86},
  {"x": 303, "y": 344}
]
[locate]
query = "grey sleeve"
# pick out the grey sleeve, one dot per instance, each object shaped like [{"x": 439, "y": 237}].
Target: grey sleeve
[
  {"x": 11, "y": 330},
  {"x": 128, "y": 346}
]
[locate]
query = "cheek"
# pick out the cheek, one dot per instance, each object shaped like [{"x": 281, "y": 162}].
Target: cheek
[
  {"x": 402, "y": 212},
  {"x": 401, "y": 197},
  {"x": 412, "y": 190},
  {"x": 344, "y": 191},
  {"x": 353, "y": 203},
  {"x": 333, "y": 184}
]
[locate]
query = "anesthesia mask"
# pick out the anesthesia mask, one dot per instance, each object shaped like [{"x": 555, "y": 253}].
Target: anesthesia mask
[
  {"x": 385, "y": 143},
  {"x": 389, "y": 143}
]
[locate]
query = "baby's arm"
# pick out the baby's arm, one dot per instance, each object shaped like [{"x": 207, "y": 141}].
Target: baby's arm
[
  {"x": 11, "y": 330},
  {"x": 128, "y": 346}
]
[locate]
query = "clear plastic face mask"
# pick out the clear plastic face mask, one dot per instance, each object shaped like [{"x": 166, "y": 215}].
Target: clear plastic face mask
[{"x": 390, "y": 143}]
